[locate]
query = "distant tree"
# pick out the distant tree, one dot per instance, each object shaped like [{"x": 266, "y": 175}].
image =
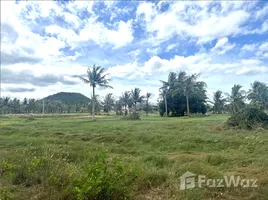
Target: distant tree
[
  {"x": 258, "y": 95},
  {"x": 182, "y": 93},
  {"x": 190, "y": 84},
  {"x": 108, "y": 102},
  {"x": 163, "y": 93},
  {"x": 95, "y": 77},
  {"x": 97, "y": 103},
  {"x": 136, "y": 97},
  {"x": 126, "y": 100},
  {"x": 118, "y": 106},
  {"x": 148, "y": 95},
  {"x": 218, "y": 102},
  {"x": 236, "y": 99}
]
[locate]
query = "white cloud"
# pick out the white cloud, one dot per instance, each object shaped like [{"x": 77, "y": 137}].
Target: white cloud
[
  {"x": 262, "y": 13},
  {"x": 203, "y": 24},
  {"x": 97, "y": 32},
  {"x": 170, "y": 47},
  {"x": 249, "y": 47},
  {"x": 221, "y": 42},
  {"x": 222, "y": 46}
]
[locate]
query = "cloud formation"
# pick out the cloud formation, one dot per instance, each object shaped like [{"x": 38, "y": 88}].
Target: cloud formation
[{"x": 43, "y": 44}]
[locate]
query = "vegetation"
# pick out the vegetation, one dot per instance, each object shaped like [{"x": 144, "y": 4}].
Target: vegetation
[
  {"x": 72, "y": 158},
  {"x": 258, "y": 95},
  {"x": 108, "y": 103},
  {"x": 236, "y": 99},
  {"x": 136, "y": 97},
  {"x": 183, "y": 93},
  {"x": 95, "y": 77},
  {"x": 249, "y": 118},
  {"x": 68, "y": 98},
  {"x": 218, "y": 102}
]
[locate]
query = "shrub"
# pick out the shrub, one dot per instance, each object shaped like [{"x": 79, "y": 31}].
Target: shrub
[
  {"x": 132, "y": 116},
  {"x": 248, "y": 118},
  {"x": 5, "y": 195},
  {"x": 6, "y": 168},
  {"x": 103, "y": 178}
]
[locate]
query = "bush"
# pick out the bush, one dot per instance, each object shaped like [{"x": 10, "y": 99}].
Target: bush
[
  {"x": 132, "y": 116},
  {"x": 103, "y": 178},
  {"x": 248, "y": 118}
]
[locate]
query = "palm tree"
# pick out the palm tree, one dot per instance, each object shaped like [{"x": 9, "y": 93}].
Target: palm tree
[
  {"x": 218, "y": 102},
  {"x": 126, "y": 100},
  {"x": 167, "y": 86},
  {"x": 163, "y": 92},
  {"x": 258, "y": 94},
  {"x": 95, "y": 77},
  {"x": 108, "y": 103},
  {"x": 172, "y": 79},
  {"x": 148, "y": 95},
  {"x": 236, "y": 99},
  {"x": 189, "y": 84},
  {"x": 97, "y": 104},
  {"x": 136, "y": 97}
]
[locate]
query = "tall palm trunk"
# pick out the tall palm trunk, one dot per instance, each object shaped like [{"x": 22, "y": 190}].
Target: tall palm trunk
[
  {"x": 125, "y": 109},
  {"x": 147, "y": 107},
  {"x": 166, "y": 104},
  {"x": 93, "y": 104},
  {"x": 187, "y": 103}
]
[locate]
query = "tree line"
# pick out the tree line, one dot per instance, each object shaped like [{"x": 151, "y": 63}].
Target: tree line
[
  {"x": 181, "y": 94},
  {"x": 129, "y": 101}
]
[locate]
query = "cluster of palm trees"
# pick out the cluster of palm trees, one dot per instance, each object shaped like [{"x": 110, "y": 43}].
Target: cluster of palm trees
[
  {"x": 127, "y": 102},
  {"x": 179, "y": 90},
  {"x": 16, "y": 106},
  {"x": 238, "y": 98}
]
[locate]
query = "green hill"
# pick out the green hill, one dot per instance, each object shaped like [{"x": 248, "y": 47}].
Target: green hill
[{"x": 68, "y": 98}]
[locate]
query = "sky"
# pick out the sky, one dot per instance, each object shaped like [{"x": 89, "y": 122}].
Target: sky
[{"x": 45, "y": 43}]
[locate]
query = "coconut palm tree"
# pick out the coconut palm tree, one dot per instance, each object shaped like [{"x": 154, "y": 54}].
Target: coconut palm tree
[
  {"x": 218, "y": 102},
  {"x": 97, "y": 104},
  {"x": 163, "y": 92},
  {"x": 258, "y": 94},
  {"x": 167, "y": 87},
  {"x": 136, "y": 97},
  {"x": 148, "y": 95},
  {"x": 236, "y": 99},
  {"x": 95, "y": 77},
  {"x": 126, "y": 100},
  {"x": 108, "y": 103},
  {"x": 189, "y": 84}
]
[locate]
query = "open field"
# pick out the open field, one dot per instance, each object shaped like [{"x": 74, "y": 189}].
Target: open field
[{"x": 40, "y": 158}]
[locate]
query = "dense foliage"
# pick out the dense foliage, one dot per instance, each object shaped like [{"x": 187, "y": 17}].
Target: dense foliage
[
  {"x": 180, "y": 90},
  {"x": 249, "y": 118}
]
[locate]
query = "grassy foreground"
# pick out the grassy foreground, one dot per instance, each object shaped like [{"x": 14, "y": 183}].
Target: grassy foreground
[{"x": 49, "y": 158}]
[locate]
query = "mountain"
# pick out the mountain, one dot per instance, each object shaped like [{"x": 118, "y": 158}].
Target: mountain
[{"x": 68, "y": 98}]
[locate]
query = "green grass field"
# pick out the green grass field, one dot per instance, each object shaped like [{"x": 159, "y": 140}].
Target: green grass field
[{"x": 39, "y": 159}]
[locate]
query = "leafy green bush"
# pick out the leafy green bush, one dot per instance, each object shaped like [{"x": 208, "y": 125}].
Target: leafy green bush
[
  {"x": 5, "y": 195},
  {"x": 248, "y": 118},
  {"x": 132, "y": 116},
  {"x": 101, "y": 178}
]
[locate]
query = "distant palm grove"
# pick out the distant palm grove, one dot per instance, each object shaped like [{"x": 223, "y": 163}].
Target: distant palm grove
[{"x": 181, "y": 94}]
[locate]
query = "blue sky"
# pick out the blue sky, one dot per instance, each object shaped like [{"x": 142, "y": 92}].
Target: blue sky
[{"x": 43, "y": 44}]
